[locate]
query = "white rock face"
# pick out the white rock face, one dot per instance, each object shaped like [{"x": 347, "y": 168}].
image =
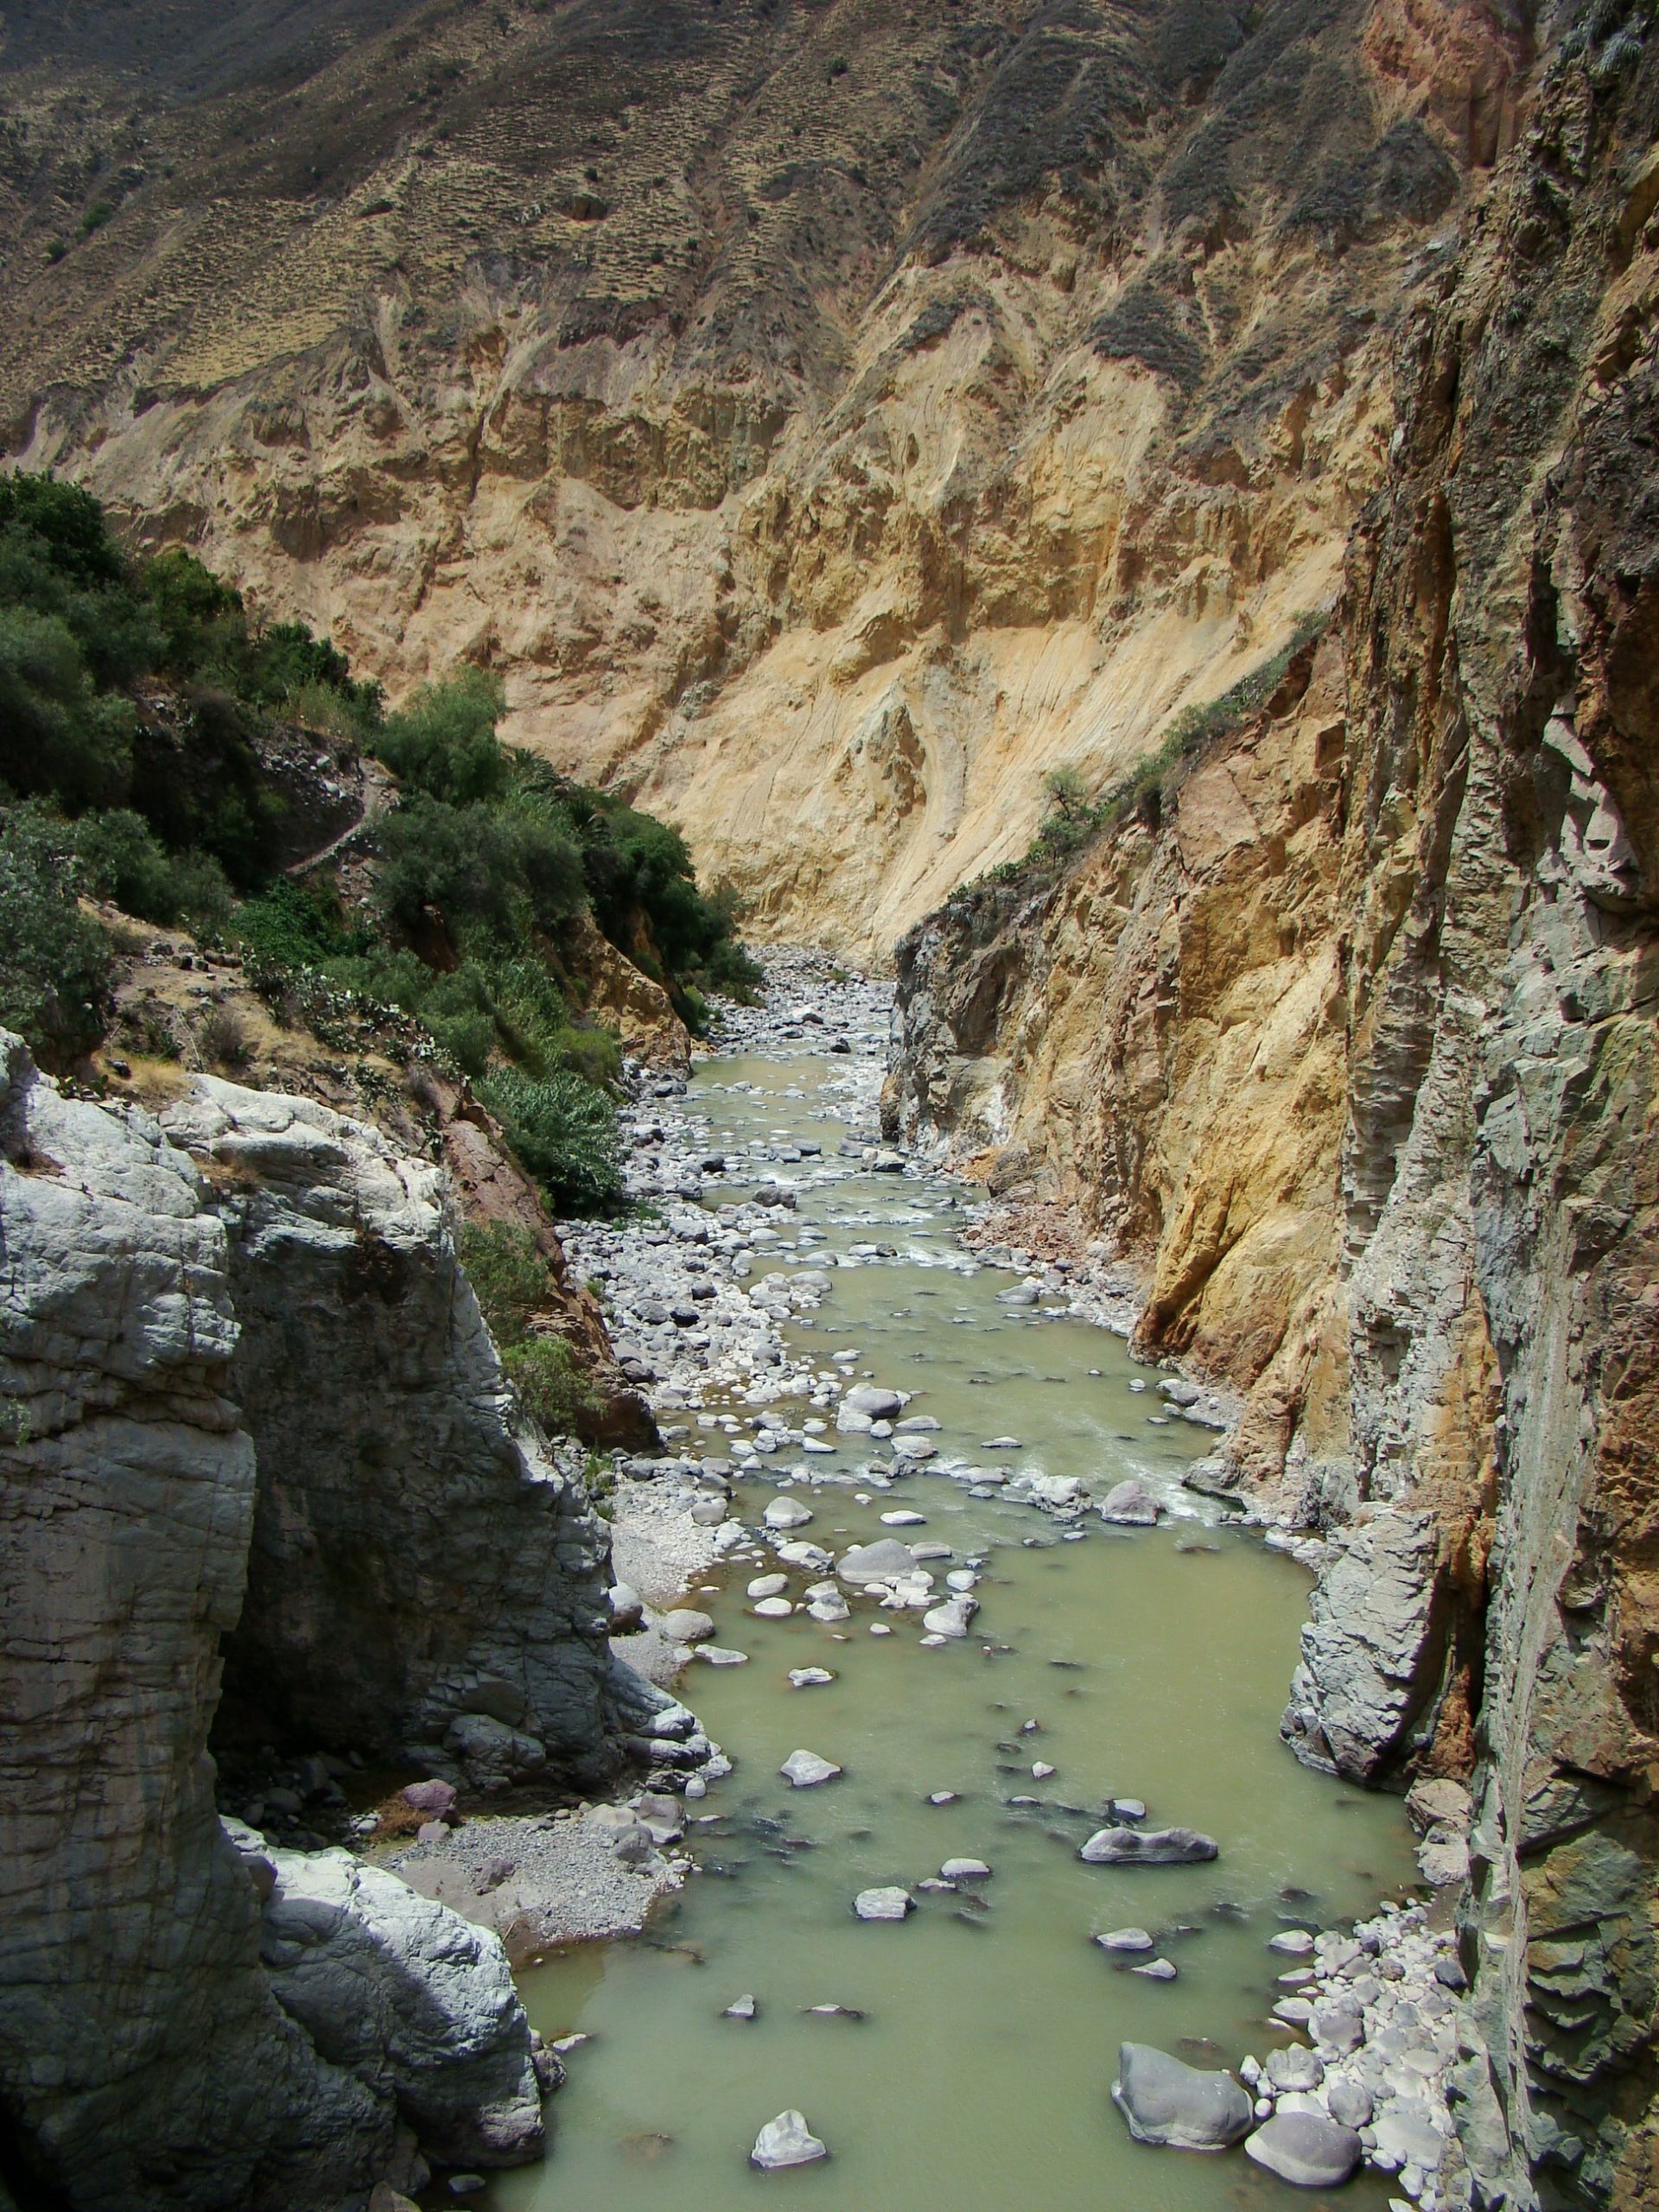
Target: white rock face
[{"x": 225, "y": 1390}]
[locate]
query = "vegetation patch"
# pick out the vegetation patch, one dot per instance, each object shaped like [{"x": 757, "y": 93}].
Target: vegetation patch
[
  {"x": 514, "y": 1287},
  {"x": 140, "y": 704},
  {"x": 1076, "y": 817}
]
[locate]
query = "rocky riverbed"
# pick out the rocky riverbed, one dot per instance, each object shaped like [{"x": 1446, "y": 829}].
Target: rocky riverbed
[{"x": 711, "y": 1293}]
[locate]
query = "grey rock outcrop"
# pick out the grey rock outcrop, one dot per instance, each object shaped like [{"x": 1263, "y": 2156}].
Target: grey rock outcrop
[
  {"x": 413, "y": 2001},
  {"x": 417, "y": 1557},
  {"x": 187, "y": 2020}
]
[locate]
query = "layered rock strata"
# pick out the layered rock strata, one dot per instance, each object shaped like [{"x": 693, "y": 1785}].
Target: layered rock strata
[
  {"x": 1346, "y": 1038},
  {"x": 254, "y": 1409},
  {"x": 827, "y": 419}
]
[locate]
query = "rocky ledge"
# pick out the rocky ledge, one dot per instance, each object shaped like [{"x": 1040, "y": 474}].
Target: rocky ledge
[{"x": 254, "y": 1422}]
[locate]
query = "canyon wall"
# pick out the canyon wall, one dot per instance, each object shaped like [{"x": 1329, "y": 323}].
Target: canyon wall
[
  {"x": 1345, "y": 1038},
  {"x": 254, "y": 1425},
  {"x": 827, "y": 418}
]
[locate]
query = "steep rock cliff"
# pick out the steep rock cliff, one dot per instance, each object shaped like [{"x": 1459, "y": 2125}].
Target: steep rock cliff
[
  {"x": 202, "y": 1455},
  {"x": 827, "y": 418},
  {"x": 1352, "y": 1052}
]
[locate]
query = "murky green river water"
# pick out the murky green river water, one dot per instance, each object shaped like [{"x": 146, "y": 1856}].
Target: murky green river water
[{"x": 1155, "y": 1664}]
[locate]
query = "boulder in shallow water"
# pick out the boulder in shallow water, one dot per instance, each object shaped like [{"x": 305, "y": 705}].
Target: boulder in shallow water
[
  {"x": 873, "y": 1402},
  {"x": 1171, "y": 2104},
  {"x": 786, "y": 2141},
  {"x": 1149, "y": 1847},
  {"x": 787, "y": 1513},
  {"x": 882, "y": 1561},
  {"x": 1305, "y": 2150},
  {"x": 1125, "y": 1939},
  {"x": 1129, "y": 1505},
  {"x": 884, "y": 1904},
  {"x": 805, "y": 1770},
  {"x": 686, "y": 1625},
  {"x": 952, "y": 1618}
]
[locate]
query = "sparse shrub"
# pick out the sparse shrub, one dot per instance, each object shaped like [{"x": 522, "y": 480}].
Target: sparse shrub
[
  {"x": 514, "y": 1287},
  {"x": 97, "y": 215},
  {"x": 222, "y": 1038},
  {"x": 564, "y": 1133}
]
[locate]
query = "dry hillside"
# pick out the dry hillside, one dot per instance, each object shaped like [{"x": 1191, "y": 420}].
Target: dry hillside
[{"x": 828, "y": 418}]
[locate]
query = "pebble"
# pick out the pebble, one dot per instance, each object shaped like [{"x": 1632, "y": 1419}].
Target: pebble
[
  {"x": 965, "y": 1870},
  {"x": 808, "y": 1678},
  {"x": 740, "y": 2008}
]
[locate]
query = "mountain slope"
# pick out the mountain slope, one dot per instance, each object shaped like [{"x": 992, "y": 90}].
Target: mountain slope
[{"x": 828, "y": 418}]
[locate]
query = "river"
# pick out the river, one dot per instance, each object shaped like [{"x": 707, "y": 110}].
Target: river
[{"x": 1150, "y": 1663}]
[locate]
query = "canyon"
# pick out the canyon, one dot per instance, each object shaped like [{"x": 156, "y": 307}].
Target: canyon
[{"x": 830, "y": 422}]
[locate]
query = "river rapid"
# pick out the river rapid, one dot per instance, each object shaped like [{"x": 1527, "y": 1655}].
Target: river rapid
[{"x": 972, "y": 2061}]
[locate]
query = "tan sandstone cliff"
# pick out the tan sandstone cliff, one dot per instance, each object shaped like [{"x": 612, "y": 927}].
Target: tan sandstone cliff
[{"x": 1347, "y": 1040}]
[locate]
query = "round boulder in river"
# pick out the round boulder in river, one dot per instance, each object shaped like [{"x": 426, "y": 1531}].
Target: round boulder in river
[
  {"x": 877, "y": 1562},
  {"x": 786, "y": 2141},
  {"x": 883, "y": 1904},
  {"x": 1130, "y": 1504},
  {"x": 1168, "y": 2103},
  {"x": 805, "y": 1770},
  {"x": 877, "y": 1404},
  {"x": 1149, "y": 1847},
  {"x": 1305, "y": 2150},
  {"x": 685, "y": 1625},
  {"x": 787, "y": 1513}
]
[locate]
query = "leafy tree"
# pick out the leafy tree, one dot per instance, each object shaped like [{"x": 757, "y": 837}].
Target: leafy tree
[
  {"x": 443, "y": 742},
  {"x": 54, "y": 974}
]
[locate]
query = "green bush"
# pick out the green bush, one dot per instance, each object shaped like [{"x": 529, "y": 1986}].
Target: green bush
[
  {"x": 443, "y": 742},
  {"x": 594, "y": 1054},
  {"x": 58, "y": 733},
  {"x": 549, "y": 1385},
  {"x": 123, "y": 859},
  {"x": 514, "y": 1287},
  {"x": 291, "y": 925},
  {"x": 55, "y": 975},
  {"x": 564, "y": 1133}
]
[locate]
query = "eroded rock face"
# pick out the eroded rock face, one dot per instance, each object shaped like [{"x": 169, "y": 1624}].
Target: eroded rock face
[
  {"x": 416, "y": 1561},
  {"x": 1345, "y": 1041},
  {"x": 187, "y": 2020},
  {"x": 1040, "y": 401}
]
